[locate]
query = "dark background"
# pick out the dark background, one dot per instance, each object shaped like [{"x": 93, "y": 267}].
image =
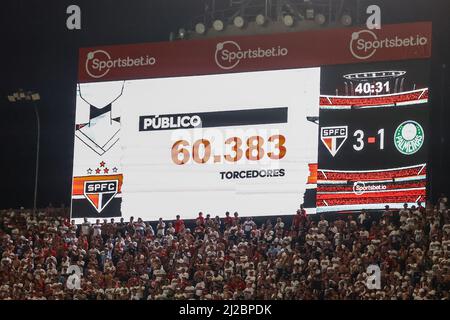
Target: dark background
[{"x": 39, "y": 53}]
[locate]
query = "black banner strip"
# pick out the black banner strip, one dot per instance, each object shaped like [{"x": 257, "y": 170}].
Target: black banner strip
[{"x": 213, "y": 119}]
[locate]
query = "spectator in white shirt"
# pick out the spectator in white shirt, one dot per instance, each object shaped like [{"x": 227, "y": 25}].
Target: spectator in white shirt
[
  {"x": 97, "y": 228},
  {"x": 160, "y": 228}
]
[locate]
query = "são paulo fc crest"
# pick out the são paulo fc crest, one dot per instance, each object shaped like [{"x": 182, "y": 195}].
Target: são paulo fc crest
[
  {"x": 100, "y": 192},
  {"x": 333, "y": 138},
  {"x": 97, "y": 191},
  {"x": 409, "y": 137}
]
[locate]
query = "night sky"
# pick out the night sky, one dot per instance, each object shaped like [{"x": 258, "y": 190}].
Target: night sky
[{"x": 39, "y": 53}]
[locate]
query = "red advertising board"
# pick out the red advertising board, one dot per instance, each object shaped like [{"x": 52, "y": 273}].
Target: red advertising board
[{"x": 252, "y": 53}]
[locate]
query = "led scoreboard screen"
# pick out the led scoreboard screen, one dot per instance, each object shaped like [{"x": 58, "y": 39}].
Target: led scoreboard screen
[
  {"x": 253, "y": 124},
  {"x": 373, "y": 151}
]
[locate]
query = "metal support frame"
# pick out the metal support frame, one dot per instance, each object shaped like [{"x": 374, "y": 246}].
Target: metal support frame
[{"x": 274, "y": 9}]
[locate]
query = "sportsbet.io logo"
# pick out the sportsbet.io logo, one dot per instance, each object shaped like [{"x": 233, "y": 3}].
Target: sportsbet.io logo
[
  {"x": 409, "y": 137},
  {"x": 365, "y": 43},
  {"x": 99, "y": 63},
  {"x": 360, "y": 187},
  {"x": 229, "y": 54}
]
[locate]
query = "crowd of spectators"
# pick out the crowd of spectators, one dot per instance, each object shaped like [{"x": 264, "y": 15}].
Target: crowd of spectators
[{"x": 299, "y": 257}]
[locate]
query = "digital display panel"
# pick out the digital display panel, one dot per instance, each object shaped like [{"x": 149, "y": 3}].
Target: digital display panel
[
  {"x": 229, "y": 126},
  {"x": 373, "y": 151},
  {"x": 190, "y": 144}
]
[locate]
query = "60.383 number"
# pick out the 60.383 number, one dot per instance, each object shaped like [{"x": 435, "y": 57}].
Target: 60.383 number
[{"x": 253, "y": 150}]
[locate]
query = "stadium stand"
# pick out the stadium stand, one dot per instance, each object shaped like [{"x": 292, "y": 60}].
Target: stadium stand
[{"x": 299, "y": 257}]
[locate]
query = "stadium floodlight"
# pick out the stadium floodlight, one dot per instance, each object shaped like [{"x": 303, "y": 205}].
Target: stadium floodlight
[
  {"x": 31, "y": 96},
  {"x": 346, "y": 19},
  {"x": 218, "y": 25},
  {"x": 35, "y": 96},
  {"x": 181, "y": 33},
  {"x": 21, "y": 95},
  {"x": 260, "y": 20},
  {"x": 288, "y": 20},
  {"x": 239, "y": 22},
  {"x": 200, "y": 28},
  {"x": 320, "y": 19}
]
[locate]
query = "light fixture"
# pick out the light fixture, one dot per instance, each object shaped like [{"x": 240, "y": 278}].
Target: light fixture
[
  {"x": 320, "y": 18},
  {"x": 200, "y": 28},
  {"x": 218, "y": 25},
  {"x": 346, "y": 20},
  {"x": 22, "y": 95},
  {"x": 288, "y": 20},
  {"x": 181, "y": 33},
  {"x": 260, "y": 20},
  {"x": 19, "y": 96},
  {"x": 238, "y": 21}
]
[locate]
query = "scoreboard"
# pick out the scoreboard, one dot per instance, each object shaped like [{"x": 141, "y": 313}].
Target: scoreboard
[
  {"x": 373, "y": 130},
  {"x": 254, "y": 124}
]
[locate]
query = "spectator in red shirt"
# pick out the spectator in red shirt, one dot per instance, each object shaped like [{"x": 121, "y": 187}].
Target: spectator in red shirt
[
  {"x": 303, "y": 211},
  {"x": 179, "y": 225},
  {"x": 200, "y": 220},
  {"x": 228, "y": 220},
  {"x": 299, "y": 218},
  {"x": 236, "y": 283}
]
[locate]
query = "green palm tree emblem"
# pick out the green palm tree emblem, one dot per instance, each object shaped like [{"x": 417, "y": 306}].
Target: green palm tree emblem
[{"x": 409, "y": 137}]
